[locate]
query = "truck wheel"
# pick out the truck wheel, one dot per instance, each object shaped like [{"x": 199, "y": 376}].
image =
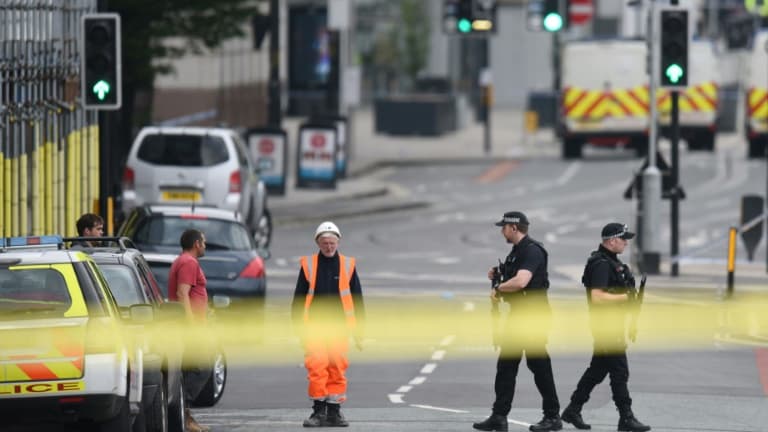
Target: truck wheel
[
  {"x": 572, "y": 148},
  {"x": 703, "y": 141},
  {"x": 756, "y": 148},
  {"x": 640, "y": 144}
]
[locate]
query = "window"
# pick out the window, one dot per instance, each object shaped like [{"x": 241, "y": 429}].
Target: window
[
  {"x": 183, "y": 150},
  {"x": 32, "y": 292},
  {"x": 122, "y": 284},
  {"x": 166, "y": 231}
]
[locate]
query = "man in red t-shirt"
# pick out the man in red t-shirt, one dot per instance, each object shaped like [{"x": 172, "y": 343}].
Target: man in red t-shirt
[
  {"x": 186, "y": 281},
  {"x": 186, "y": 284}
]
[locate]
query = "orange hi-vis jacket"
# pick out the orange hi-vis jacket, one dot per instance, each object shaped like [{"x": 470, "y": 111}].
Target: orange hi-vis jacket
[{"x": 346, "y": 270}]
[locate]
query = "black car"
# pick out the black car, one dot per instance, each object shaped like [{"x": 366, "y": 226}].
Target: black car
[
  {"x": 232, "y": 264},
  {"x": 132, "y": 282}
]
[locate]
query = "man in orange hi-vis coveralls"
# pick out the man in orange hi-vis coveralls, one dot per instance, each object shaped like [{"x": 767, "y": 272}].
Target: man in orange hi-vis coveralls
[{"x": 327, "y": 309}]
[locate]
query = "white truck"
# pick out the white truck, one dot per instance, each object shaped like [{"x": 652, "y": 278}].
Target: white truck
[
  {"x": 756, "y": 97},
  {"x": 604, "y": 98}
]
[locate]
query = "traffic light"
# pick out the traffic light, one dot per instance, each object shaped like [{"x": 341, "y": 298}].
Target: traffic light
[
  {"x": 467, "y": 17},
  {"x": 100, "y": 57},
  {"x": 674, "y": 48},
  {"x": 554, "y": 17}
]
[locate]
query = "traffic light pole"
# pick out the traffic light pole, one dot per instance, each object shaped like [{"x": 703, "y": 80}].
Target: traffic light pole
[
  {"x": 274, "y": 112},
  {"x": 650, "y": 195},
  {"x": 675, "y": 174},
  {"x": 487, "y": 97}
]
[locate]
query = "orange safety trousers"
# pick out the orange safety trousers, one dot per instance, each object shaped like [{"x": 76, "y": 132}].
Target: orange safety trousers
[
  {"x": 326, "y": 361},
  {"x": 326, "y": 346}
]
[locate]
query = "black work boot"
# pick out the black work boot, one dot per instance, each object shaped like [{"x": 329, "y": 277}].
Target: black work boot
[
  {"x": 548, "y": 423},
  {"x": 572, "y": 415},
  {"x": 496, "y": 422},
  {"x": 318, "y": 416},
  {"x": 334, "y": 417},
  {"x": 628, "y": 422}
]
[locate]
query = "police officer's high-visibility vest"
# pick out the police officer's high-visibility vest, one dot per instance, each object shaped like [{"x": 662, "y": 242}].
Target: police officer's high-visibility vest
[{"x": 346, "y": 269}]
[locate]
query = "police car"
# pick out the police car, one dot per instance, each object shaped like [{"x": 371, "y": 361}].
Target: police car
[{"x": 63, "y": 354}]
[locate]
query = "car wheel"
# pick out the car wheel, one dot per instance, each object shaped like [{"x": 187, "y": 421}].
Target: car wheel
[
  {"x": 262, "y": 233},
  {"x": 119, "y": 423},
  {"x": 176, "y": 410},
  {"x": 154, "y": 418},
  {"x": 214, "y": 388}
]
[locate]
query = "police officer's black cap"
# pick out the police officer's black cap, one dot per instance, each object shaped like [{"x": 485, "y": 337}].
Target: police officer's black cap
[
  {"x": 513, "y": 217},
  {"x": 616, "y": 230}
]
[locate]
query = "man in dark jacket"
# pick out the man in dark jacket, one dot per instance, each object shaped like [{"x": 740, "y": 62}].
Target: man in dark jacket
[
  {"x": 610, "y": 288},
  {"x": 327, "y": 309},
  {"x": 524, "y": 287}
]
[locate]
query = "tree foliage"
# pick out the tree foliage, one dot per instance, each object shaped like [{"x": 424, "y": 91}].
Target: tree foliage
[{"x": 149, "y": 25}]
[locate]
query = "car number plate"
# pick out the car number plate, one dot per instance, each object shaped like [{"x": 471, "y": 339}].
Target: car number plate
[{"x": 181, "y": 196}]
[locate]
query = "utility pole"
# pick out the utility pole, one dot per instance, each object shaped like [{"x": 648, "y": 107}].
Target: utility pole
[
  {"x": 651, "y": 191},
  {"x": 274, "y": 109}
]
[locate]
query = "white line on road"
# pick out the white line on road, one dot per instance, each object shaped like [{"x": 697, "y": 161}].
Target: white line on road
[
  {"x": 571, "y": 171},
  {"x": 428, "y": 368},
  {"x": 418, "y": 380},
  {"x": 518, "y": 422},
  {"x": 404, "y": 389},
  {"x": 469, "y": 306},
  {"x": 396, "y": 398},
  {"x": 438, "y": 355},
  {"x": 429, "y": 407},
  {"x": 447, "y": 340}
]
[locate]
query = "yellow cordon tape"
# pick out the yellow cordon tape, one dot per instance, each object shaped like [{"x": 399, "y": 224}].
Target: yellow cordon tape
[{"x": 407, "y": 328}]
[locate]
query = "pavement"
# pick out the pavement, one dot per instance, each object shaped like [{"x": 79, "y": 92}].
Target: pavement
[{"x": 365, "y": 189}]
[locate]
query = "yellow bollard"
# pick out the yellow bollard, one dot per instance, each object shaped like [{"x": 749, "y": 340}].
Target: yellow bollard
[{"x": 531, "y": 121}]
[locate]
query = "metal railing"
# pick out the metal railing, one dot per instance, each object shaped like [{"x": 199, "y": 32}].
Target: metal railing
[{"x": 49, "y": 162}]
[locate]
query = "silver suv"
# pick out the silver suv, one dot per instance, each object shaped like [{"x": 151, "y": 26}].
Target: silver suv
[{"x": 198, "y": 165}]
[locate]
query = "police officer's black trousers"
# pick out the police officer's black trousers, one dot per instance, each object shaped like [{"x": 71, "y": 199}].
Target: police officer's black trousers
[
  {"x": 604, "y": 362},
  {"x": 506, "y": 377}
]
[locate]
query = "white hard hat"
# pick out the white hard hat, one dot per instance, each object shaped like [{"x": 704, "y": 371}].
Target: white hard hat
[{"x": 327, "y": 227}]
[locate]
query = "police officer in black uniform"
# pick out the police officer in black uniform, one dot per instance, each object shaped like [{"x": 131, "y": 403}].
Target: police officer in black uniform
[
  {"x": 610, "y": 291},
  {"x": 523, "y": 286}
]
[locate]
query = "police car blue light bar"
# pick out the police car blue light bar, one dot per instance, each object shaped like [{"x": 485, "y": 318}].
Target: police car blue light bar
[{"x": 49, "y": 240}]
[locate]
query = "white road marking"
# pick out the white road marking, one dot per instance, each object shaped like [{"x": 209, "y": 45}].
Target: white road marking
[
  {"x": 429, "y": 407},
  {"x": 518, "y": 422},
  {"x": 571, "y": 171},
  {"x": 404, "y": 389},
  {"x": 447, "y": 340},
  {"x": 418, "y": 380},
  {"x": 446, "y": 260},
  {"x": 438, "y": 355},
  {"x": 428, "y": 368},
  {"x": 396, "y": 398},
  {"x": 551, "y": 238},
  {"x": 469, "y": 306}
]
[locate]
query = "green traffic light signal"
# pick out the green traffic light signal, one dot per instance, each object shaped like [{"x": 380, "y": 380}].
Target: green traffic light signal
[
  {"x": 674, "y": 72},
  {"x": 464, "y": 25},
  {"x": 101, "y": 89},
  {"x": 553, "y": 22}
]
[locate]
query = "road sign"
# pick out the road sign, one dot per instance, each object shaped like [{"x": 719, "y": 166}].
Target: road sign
[
  {"x": 316, "y": 156},
  {"x": 269, "y": 152},
  {"x": 581, "y": 11}
]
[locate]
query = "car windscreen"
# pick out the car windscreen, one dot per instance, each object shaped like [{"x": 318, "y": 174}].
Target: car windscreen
[
  {"x": 33, "y": 293},
  {"x": 122, "y": 284},
  {"x": 219, "y": 234},
  {"x": 183, "y": 150}
]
